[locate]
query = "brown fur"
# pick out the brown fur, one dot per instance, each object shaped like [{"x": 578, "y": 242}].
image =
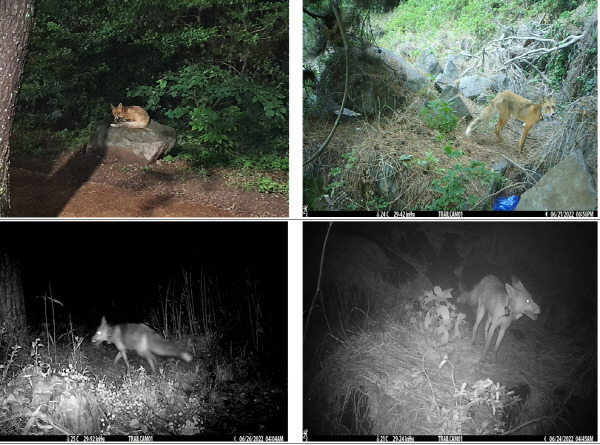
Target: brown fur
[
  {"x": 131, "y": 117},
  {"x": 507, "y": 104}
]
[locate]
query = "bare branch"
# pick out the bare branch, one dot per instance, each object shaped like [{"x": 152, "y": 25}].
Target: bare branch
[{"x": 538, "y": 52}]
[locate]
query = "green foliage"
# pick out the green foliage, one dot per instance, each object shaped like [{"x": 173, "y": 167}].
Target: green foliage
[
  {"x": 226, "y": 110},
  {"x": 439, "y": 116},
  {"x": 439, "y": 315},
  {"x": 424, "y": 15},
  {"x": 262, "y": 161},
  {"x": 335, "y": 183},
  {"x": 267, "y": 185},
  {"x": 378, "y": 203},
  {"x": 430, "y": 160},
  {"x": 452, "y": 186},
  {"x": 45, "y": 141},
  {"x": 453, "y": 153},
  {"x": 555, "y": 7},
  {"x": 482, "y": 393},
  {"x": 218, "y": 67}
]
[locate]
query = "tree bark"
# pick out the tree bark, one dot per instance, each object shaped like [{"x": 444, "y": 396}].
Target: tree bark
[
  {"x": 12, "y": 304},
  {"x": 16, "y": 19}
]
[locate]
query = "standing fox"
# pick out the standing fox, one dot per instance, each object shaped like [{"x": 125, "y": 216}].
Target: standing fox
[
  {"x": 502, "y": 303},
  {"x": 507, "y": 104},
  {"x": 141, "y": 339},
  {"x": 130, "y": 117}
]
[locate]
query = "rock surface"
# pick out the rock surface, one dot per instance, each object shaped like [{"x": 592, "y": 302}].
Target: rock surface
[
  {"x": 142, "y": 146},
  {"x": 567, "y": 186}
]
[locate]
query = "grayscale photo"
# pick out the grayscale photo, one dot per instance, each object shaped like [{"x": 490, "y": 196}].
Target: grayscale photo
[{"x": 433, "y": 329}]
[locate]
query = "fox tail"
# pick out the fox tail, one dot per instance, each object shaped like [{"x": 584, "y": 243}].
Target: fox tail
[
  {"x": 486, "y": 116},
  {"x": 160, "y": 346}
]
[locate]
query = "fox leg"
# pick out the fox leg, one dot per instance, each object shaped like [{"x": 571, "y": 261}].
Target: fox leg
[
  {"x": 150, "y": 359},
  {"x": 502, "y": 120},
  {"x": 487, "y": 327},
  {"x": 522, "y": 142},
  {"x": 501, "y": 333},
  {"x": 124, "y": 355},
  {"x": 488, "y": 339},
  {"x": 480, "y": 314}
]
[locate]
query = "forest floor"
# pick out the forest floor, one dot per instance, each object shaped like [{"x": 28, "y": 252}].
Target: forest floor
[{"x": 76, "y": 184}]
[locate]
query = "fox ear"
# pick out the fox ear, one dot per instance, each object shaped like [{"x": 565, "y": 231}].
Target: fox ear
[
  {"x": 112, "y": 106},
  {"x": 120, "y": 106}
]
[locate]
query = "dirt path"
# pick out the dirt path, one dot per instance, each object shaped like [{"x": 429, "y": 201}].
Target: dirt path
[{"x": 81, "y": 185}]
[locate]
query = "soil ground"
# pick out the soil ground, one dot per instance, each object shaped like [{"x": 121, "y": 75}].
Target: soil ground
[{"x": 76, "y": 184}]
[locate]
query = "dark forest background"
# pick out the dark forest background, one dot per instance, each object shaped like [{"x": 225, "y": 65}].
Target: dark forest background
[{"x": 216, "y": 71}]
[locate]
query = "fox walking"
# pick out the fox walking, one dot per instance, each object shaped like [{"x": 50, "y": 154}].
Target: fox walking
[
  {"x": 141, "y": 339},
  {"x": 507, "y": 104},
  {"x": 131, "y": 117},
  {"x": 502, "y": 303}
]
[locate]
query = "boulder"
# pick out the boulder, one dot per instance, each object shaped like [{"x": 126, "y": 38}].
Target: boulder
[
  {"x": 451, "y": 70},
  {"x": 428, "y": 63},
  {"x": 501, "y": 82},
  {"x": 442, "y": 81},
  {"x": 133, "y": 145},
  {"x": 567, "y": 186},
  {"x": 450, "y": 95},
  {"x": 414, "y": 80},
  {"x": 474, "y": 86}
]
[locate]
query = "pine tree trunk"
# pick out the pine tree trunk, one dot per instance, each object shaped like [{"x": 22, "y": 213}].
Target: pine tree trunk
[
  {"x": 12, "y": 304},
  {"x": 16, "y": 18}
]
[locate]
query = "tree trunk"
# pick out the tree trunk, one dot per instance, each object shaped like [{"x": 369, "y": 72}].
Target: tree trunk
[
  {"x": 12, "y": 304},
  {"x": 16, "y": 18}
]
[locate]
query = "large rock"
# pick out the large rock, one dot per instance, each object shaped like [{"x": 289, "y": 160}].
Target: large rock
[
  {"x": 567, "y": 186},
  {"x": 473, "y": 86},
  {"x": 451, "y": 70},
  {"x": 414, "y": 79},
  {"x": 450, "y": 95},
  {"x": 133, "y": 145},
  {"x": 429, "y": 63},
  {"x": 442, "y": 81}
]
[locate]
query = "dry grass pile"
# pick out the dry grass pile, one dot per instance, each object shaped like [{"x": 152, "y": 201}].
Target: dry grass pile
[
  {"x": 577, "y": 131},
  {"x": 392, "y": 161}
]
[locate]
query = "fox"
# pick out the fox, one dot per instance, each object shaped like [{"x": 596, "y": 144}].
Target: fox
[
  {"x": 140, "y": 338},
  {"x": 470, "y": 275},
  {"x": 503, "y": 303},
  {"x": 130, "y": 117},
  {"x": 507, "y": 104}
]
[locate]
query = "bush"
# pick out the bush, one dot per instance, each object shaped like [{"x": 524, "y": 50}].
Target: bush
[
  {"x": 225, "y": 110},
  {"x": 439, "y": 116}
]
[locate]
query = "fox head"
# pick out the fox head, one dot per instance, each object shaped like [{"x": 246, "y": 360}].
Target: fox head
[
  {"x": 101, "y": 333},
  {"x": 117, "y": 111},
  {"x": 548, "y": 106},
  {"x": 522, "y": 302}
]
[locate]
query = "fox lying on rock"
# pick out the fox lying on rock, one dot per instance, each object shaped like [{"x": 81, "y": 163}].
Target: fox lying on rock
[{"x": 130, "y": 117}]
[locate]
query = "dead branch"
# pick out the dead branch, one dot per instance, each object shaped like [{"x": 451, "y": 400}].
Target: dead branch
[{"x": 538, "y": 52}]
